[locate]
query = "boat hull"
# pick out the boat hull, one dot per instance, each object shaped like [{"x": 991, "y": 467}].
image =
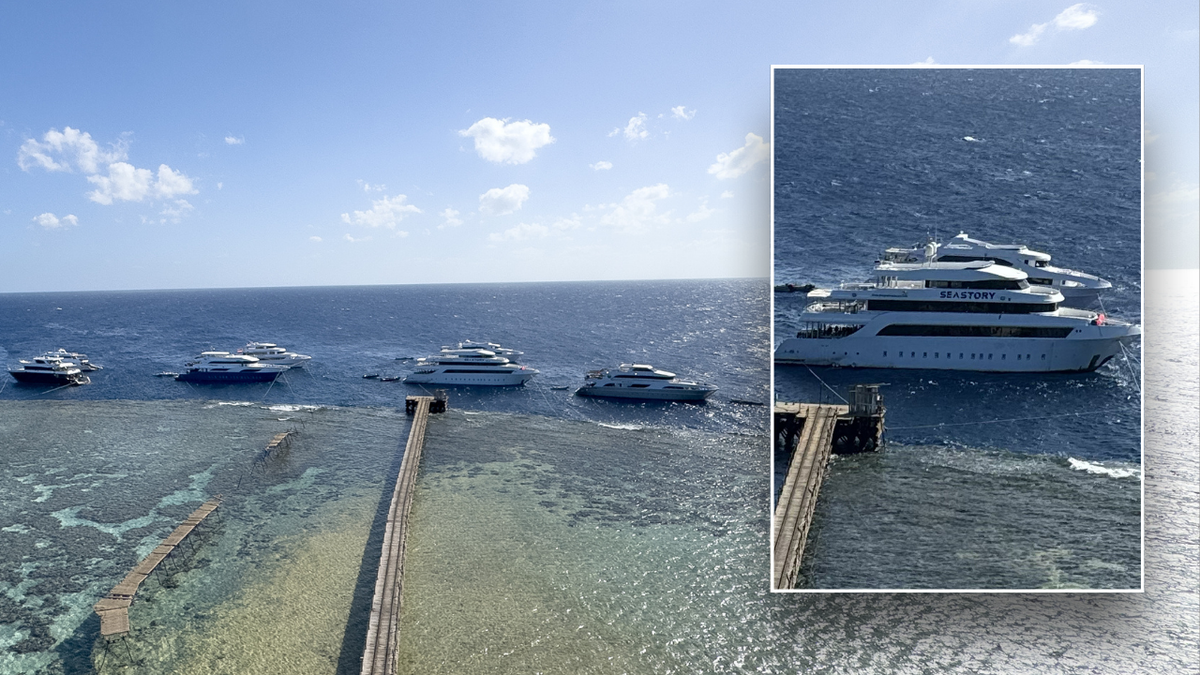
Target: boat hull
[
  {"x": 998, "y": 355},
  {"x": 515, "y": 379},
  {"x": 685, "y": 395},
  {"x": 27, "y": 377},
  {"x": 202, "y": 377}
]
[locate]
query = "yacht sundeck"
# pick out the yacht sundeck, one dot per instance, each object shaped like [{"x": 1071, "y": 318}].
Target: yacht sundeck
[
  {"x": 952, "y": 316},
  {"x": 78, "y": 359},
  {"x": 223, "y": 367},
  {"x": 48, "y": 369},
  {"x": 510, "y": 354},
  {"x": 271, "y": 353},
  {"x": 1079, "y": 289},
  {"x": 475, "y": 367},
  {"x": 644, "y": 382}
]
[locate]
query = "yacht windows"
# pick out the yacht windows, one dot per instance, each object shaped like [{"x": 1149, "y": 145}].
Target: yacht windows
[
  {"x": 972, "y": 258},
  {"x": 976, "y": 331},
  {"x": 1041, "y": 281},
  {"x": 972, "y": 307},
  {"x": 814, "y": 329},
  {"x": 991, "y": 284}
]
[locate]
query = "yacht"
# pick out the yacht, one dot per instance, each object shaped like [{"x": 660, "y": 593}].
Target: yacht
[
  {"x": 1079, "y": 289},
  {"x": 223, "y": 367},
  {"x": 48, "y": 369},
  {"x": 78, "y": 359},
  {"x": 641, "y": 381},
  {"x": 510, "y": 354},
  {"x": 952, "y": 316},
  {"x": 271, "y": 353},
  {"x": 478, "y": 367}
]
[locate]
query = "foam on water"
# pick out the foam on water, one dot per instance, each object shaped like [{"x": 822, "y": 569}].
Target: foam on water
[{"x": 1099, "y": 469}]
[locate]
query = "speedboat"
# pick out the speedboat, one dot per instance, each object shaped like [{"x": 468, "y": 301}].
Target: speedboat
[
  {"x": 268, "y": 352},
  {"x": 78, "y": 359},
  {"x": 48, "y": 369},
  {"x": 494, "y": 347},
  {"x": 644, "y": 382},
  {"x": 223, "y": 367},
  {"x": 952, "y": 316},
  {"x": 1079, "y": 289},
  {"x": 475, "y": 367}
]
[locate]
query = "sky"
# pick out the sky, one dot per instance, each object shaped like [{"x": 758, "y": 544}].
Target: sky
[{"x": 221, "y": 144}]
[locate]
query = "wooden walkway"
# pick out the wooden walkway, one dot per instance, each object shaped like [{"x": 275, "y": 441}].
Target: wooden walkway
[
  {"x": 798, "y": 499},
  {"x": 114, "y": 607},
  {"x": 379, "y": 655}
]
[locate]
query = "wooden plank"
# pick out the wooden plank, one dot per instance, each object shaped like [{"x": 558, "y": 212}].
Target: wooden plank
[{"x": 797, "y": 500}]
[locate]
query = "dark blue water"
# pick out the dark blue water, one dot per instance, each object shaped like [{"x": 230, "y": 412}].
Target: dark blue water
[
  {"x": 711, "y": 331},
  {"x": 988, "y": 480}
]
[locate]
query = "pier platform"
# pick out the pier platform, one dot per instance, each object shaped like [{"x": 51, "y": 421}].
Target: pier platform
[
  {"x": 379, "y": 654},
  {"x": 810, "y": 433}
]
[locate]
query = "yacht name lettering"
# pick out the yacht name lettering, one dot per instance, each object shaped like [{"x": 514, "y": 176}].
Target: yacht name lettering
[{"x": 968, "y": 295}]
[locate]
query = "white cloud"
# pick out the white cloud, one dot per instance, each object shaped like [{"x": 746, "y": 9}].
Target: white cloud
[
  {"x": 220, "y": 185},
  {"x": 502, "y": 141},
  {"x": 636, "y": 129},
  {"x": 1030, "y": 36},
  {"x": 51, "y": 222},
  {"x": 728, "y": 194},
  {"x": 1076, "y": 17},
  {"x": 450, "y": 218},
  {"x": 927, "y": 62},
  {"x": 738, "y": 162},
  {"x": 128, "y": 183},
  {"x": 74, "y": 149},
  {"x": 638, "y": 209},
  {"x": 234, "y": 140},
  {"x": 682, "y": 113},
  {"x": 701, "y": 213},
  {"x": 501, "y": 201},
  {"x": 535, "y": 230},
  {"x": 178, "y": 210},
  {"x": 601, "y": 166},
  {"x": 1086, "y": 62},
  {"x": 355, "y": 240},
  {"x": 315, "y": 239},
  {"x": 386, "y": 212},
  {"x": 367, "y": 187}
]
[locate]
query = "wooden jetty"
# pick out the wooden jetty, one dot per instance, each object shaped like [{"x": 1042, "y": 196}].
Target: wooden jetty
[
  {"x": 114, "y": 607},
  {"x": 811, "y": 432},
  {"x": 379, "y": 654}
]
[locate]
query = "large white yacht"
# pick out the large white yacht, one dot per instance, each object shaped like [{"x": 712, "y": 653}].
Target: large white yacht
[
  {"x": 48, "y": 369},
  {"x": 951, "y": 316},
  {"x": 641, "y": 381},
  {"x": 78, "y": 359},
  {"x": 474, "y": 367},
  {"x": 1079, "y": 289},
  {"x": 271, "y": 353},
  {"x": 510, "y": 354},
  {"x": 223, "y": 367}
]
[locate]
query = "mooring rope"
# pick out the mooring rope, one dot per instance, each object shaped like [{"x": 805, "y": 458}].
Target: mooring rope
[{"x": 828, "y": 387}]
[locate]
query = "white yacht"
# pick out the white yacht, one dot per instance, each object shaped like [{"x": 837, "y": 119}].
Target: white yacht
[
  {"x": 1079, "y": 289},
  {"x": 48, "y": 369},
  {"x": 271, "y": 353},
  {"x": 78, "y": 359},
  {"x": 510, "y": 354},
  {"x": 474, "y": 367},
  {"x": 952, "y": 316},
  {"x": 223, "y": 367},
  {"x": 641, "y": 381}
]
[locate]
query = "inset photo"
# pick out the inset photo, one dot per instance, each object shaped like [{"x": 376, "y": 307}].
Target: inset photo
[{"x": 957, "y": 316}]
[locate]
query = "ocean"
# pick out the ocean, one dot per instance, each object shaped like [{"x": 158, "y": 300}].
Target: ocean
[
  {"x": 989, "y": 481},
  {"x": 548, "y": 534}
]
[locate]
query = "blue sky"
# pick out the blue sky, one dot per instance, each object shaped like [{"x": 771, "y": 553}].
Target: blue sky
[{"x": 162, "y": 145}]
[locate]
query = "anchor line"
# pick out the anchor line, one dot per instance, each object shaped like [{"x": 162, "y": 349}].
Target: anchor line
[{"x": 827, "y": 386}]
